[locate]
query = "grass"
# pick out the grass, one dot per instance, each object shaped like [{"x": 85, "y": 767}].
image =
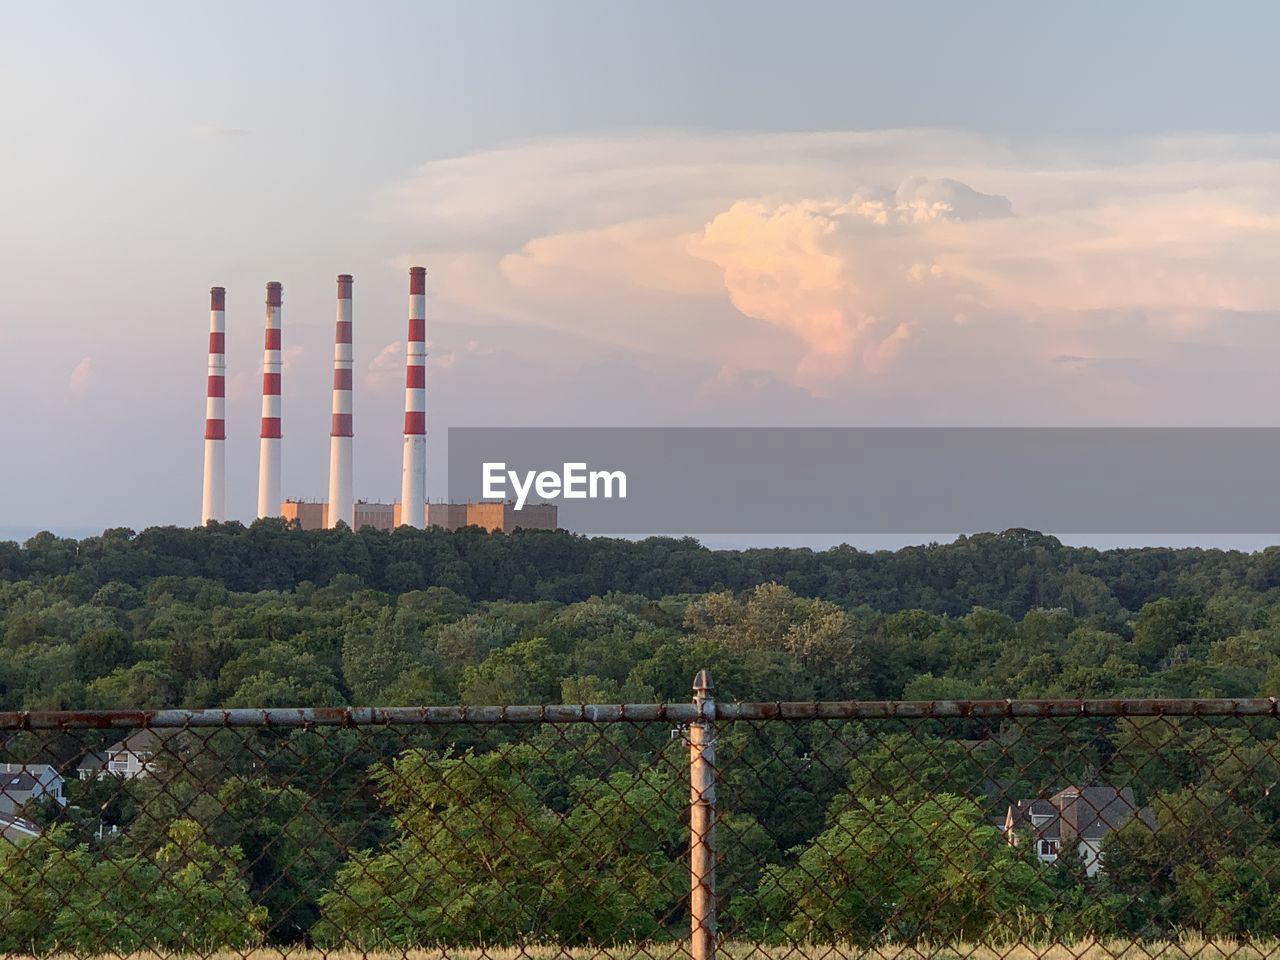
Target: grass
[{"x": 1187, "y": 949}]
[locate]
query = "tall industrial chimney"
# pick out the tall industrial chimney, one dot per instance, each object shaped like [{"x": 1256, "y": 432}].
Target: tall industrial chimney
[
  {"x": 341, "y": 501},
  {"x": 213, "y": 505},
  {"x": 269, "y": 436},
  {"x": 413, "y": 478}
]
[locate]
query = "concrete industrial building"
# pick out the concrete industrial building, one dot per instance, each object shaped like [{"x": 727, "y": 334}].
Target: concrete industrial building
[
  {"x": 308, "y": 514},
  {"x": 316, "y": 514},
  {"x": 493, "y": 516},
  {"x": 501, "y": 515}
]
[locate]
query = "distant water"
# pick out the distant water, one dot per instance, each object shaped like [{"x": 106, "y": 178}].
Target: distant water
[
  {"x": 872, "y": 542},
  {"x": 22, "y": 534},
  {"x": 865, "y": 542}
]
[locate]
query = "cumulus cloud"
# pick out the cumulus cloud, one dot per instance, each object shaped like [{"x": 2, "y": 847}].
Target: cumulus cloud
[
  {"x": 778, "y": 268},
  {"x": 81, "y": 376},
  {"x": 922, "y": 200},
  {"x": 946, "y": 199},
  {"x": 827, "y": 260},
  {"x": 786, "y": 264}
]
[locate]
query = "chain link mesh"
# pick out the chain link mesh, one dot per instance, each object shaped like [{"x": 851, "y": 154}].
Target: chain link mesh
[{"x": 1137, "y": 829}]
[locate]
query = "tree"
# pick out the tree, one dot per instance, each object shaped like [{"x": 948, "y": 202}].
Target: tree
[
  {"x": 891, "y": 871},
  {"x": 1165, "y": 874},
  {"x": 467, "y": 865},
  {"x": 525, "y": 672},
  {"x": 915, "y": 765},
  {"x": 57, "y": 895}
]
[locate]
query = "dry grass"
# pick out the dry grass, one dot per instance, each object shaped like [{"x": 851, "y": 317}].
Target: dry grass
[{"x": 1188, "y": 949}]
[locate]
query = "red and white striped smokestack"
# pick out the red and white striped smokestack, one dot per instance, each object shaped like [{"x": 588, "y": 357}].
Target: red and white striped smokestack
[
  {"x": 213, "y": 505},
  {"x": 269, "y": 436},
  {"x": 341, "y": 500},
  {"x": 413, "y": 479}
]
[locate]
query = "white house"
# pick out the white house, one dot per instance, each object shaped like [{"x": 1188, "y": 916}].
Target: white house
[
  {"x": 1079, "y": 816},
  {"x": 127, "y": 758}
]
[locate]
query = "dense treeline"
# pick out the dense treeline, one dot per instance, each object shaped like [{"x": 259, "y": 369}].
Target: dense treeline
[
  {"x": 469, "y": 835},
  {"x": 1011, "y": 572},
  {"x": 269, "y": 616}
]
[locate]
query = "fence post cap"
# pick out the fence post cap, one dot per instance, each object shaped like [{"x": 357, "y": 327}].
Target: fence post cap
[{"x": 703, "y": 682}]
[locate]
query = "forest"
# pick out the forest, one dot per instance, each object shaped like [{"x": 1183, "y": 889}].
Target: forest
[
  {"x": 395, "y": 838},
  {"x": 268, "y": 616}
]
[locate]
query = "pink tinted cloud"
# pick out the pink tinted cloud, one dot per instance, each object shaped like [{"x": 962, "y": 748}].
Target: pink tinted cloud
[
  {"x": 81, "y": 376},
  {"x": 832, "y": 259}
]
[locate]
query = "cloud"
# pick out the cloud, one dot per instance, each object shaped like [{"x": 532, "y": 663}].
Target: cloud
[
  {"x": 878, "y": 355},
  {"x": 786, "y": 264},
  {"x": 927, "y": 200},
  {"x": 922, "y": 200},
  {"x": 1073, "y": 362},
  {"x": 838, "y": 261},
  {"x": 387, "y": 366},
  {"x": 81, "y": 376},
  {"x": 777, "y": 268}
]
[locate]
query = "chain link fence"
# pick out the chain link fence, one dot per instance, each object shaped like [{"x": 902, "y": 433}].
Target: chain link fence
[{"x": 989, "y": 829}]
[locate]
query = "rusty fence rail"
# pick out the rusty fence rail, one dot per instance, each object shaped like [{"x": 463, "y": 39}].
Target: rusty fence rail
[
  {"x": 634, "y": 713},
  {"x": 836, "y": 829}
]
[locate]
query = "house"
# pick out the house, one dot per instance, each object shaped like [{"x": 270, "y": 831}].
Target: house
[
  {"x": 127, "y": 758},
  {"x": 1077, "y": 816},
  {"x": 22, "y": 783}
]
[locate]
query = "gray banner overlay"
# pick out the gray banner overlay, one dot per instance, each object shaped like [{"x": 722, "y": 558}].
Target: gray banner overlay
[{"x": 895, "y": 480}]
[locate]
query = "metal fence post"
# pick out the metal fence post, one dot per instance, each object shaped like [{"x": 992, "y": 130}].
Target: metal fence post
[{"x": 702, "y": 821}]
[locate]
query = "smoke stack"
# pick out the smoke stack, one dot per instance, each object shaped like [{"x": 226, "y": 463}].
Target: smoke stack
[
  {"x": 269, "y": 436},
  {"x": 413, "y": 479},
  {"x": 341, "y": 501},
  {"x": 213, "y": 505}
]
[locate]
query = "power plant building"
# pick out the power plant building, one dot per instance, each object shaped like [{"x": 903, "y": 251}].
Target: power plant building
[
  {"x": 493, "y": 516},
  {"x": 496, "y": 515}
]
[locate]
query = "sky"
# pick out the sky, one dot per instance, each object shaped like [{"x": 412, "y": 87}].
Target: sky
[{"x": 644, "y": 214}]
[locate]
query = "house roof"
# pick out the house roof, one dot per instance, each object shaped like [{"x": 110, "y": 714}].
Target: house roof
[
  {"x": 1039, "y": 815},
  {"x": 1089, "y": 813},
  {"x": 1093, "y": 812},
  {"x": 93, "y": 761},
  {"x": 12, "y": 783},
  {"x": 41, "y": 771},
  {"x": 141, "y": 742}
]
